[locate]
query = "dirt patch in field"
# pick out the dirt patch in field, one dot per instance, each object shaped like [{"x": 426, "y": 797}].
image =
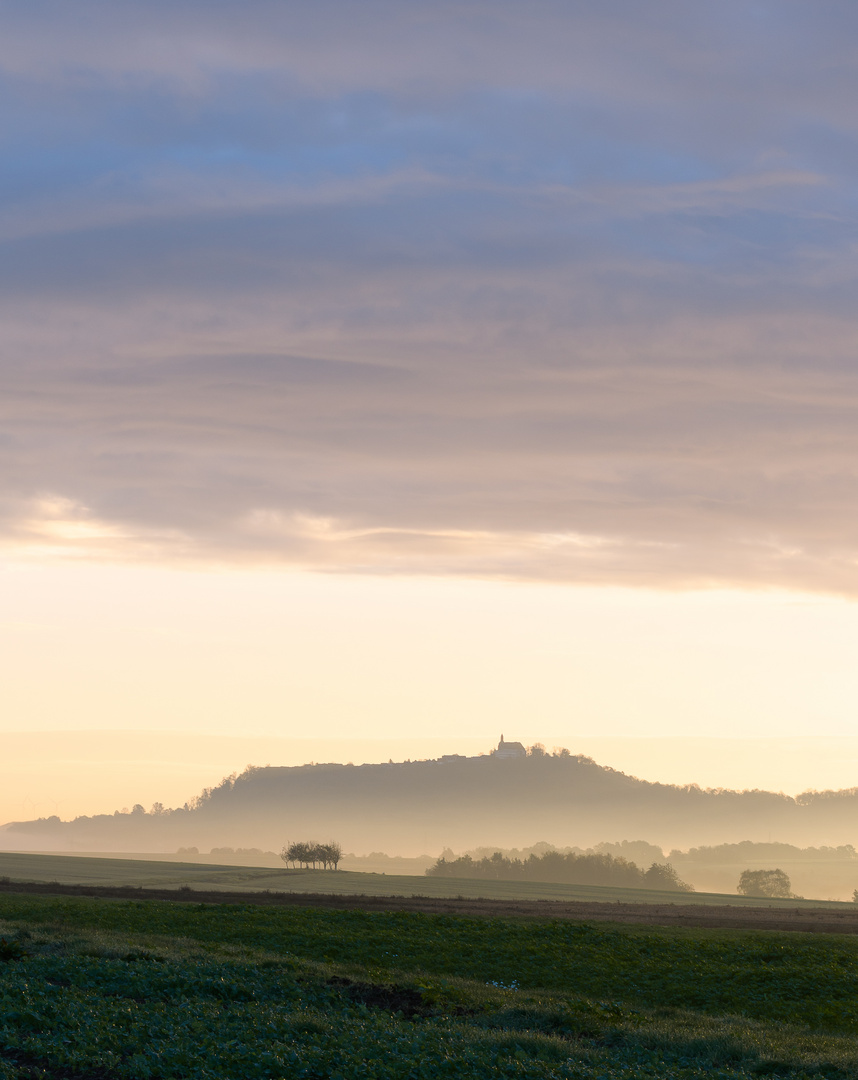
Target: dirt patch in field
[
  {"x": 393, "y": 999},
  {"x": 806, "y": 919}
]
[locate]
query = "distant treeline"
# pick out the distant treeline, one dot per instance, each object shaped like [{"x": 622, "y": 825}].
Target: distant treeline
[
  {"x": 638, "y": 851},
  {"x": 748, "y": 851},
  {"x": 566, "y": 868},
  {"x": 742, "y": 853}
]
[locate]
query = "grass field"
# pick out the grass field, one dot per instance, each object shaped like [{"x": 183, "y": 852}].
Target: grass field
[
  {"x": 152, "y": 874},
  {"x": 91, "y": 989}
]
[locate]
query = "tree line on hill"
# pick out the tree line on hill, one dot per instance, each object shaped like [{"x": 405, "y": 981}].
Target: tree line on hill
[
  {"x": 564, "y": 868},
  {"x": 464, "y": 801}
]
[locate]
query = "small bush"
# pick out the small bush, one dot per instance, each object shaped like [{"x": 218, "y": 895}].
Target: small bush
[{"x": 12, "y": 950}]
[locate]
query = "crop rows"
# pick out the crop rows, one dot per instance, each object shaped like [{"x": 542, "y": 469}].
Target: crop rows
[{"x": 91, "y": 989}]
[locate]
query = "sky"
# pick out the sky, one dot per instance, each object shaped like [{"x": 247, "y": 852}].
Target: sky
[{"x": 395, "y": 374}]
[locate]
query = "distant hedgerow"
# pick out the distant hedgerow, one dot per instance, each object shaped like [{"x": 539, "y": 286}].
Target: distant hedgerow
[{"x": 569, "y": 868}]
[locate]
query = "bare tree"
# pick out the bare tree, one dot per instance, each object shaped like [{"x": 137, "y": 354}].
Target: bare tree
[
  {"x": 299, "y": 852},
  {"x": 330, "y": 854}
]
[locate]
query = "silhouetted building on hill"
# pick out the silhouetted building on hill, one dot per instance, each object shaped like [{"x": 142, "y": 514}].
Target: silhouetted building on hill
[{"x": 509, "y": 749}]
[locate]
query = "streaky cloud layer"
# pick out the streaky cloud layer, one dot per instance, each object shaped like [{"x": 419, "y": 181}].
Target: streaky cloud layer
[{"x": 553, "y": 292}]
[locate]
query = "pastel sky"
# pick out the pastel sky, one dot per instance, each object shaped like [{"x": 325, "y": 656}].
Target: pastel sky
[{"x": 405, "y": 370}]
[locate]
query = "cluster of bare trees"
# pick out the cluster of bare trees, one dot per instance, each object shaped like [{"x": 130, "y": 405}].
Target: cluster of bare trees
[{"x": 308, "y": 853}]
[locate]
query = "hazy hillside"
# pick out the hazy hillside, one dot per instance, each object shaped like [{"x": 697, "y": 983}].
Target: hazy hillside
[{"x": 424, "y": 806}]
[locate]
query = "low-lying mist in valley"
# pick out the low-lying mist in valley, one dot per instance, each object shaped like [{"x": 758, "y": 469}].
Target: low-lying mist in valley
[{"x": 399, "y": 817}]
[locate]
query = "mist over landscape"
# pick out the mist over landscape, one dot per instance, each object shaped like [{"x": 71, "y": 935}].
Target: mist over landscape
[
  {"x": 372, "y": 384},
  {"x": 411, "y": 808},
  {"x": 405, "y": 812},
  {"x": 428, "y": 540}
]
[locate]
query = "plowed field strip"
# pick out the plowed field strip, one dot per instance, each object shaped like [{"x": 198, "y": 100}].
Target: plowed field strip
[{"x": 813, "y": 920}]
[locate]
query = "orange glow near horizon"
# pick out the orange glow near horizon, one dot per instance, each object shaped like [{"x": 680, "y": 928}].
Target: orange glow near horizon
[{"x": 409, "y": 662}]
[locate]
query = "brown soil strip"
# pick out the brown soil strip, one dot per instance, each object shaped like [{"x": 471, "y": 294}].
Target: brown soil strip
[{"x": 813, "y": 920}]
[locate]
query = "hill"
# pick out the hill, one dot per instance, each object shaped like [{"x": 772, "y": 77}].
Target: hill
[{"x": 423, "y": 806}]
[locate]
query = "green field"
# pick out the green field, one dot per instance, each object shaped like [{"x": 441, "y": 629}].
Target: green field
[
  {"x": 74, "y": 870},
  {"x": 93, "y": 989}
]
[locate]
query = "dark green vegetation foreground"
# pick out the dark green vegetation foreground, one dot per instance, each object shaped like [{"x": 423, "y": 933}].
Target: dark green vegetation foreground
[{"x": 96, "y": 988}]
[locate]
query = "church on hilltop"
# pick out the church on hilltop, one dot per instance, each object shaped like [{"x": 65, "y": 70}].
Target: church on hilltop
[{"x": 509, "y": 750}]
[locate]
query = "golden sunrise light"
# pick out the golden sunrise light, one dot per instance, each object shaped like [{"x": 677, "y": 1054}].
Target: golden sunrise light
[
  {"x": 428, "y": 548},
  {"x": 355, "y": 408}
]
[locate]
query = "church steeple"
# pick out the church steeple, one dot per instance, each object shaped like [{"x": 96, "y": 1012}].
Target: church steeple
[{"x": 509, "y": 749}]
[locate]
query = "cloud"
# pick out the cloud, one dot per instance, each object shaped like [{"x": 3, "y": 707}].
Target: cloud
[{"x": 559, "y": 293}]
